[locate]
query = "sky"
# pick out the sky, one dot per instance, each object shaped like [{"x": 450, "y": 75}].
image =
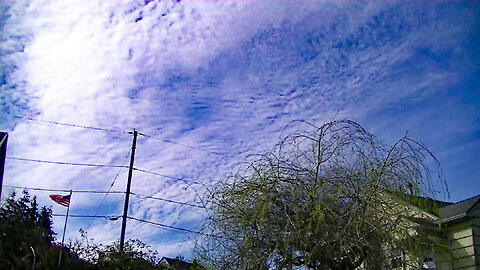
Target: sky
[{"x": 209, "y": 82}]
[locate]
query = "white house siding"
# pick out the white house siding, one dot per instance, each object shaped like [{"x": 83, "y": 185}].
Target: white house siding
[
  {"x": 476, "y": 236},
  {"x": 462, "y": 251}
]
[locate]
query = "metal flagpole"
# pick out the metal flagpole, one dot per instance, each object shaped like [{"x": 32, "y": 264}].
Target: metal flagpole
[{"x": 64, "y": 229}]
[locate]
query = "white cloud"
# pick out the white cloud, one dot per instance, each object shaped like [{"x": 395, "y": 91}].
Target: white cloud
[{"x": 224, "y": 76}]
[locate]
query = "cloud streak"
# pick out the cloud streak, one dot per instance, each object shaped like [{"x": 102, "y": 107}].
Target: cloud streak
[{"x": 225, "y": 77}]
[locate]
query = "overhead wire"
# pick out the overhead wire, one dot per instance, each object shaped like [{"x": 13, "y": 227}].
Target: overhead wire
[
  {"x": 63, "y": 190},
  {"x": 177, "y": 179},
  {"x": 167, "y": 226},
  {"x": 140, "y": 196},
  {"x": 108, "y": 191},
  {"x": 66, "y": 124},
  {"x": 86, "y": 216},
  {"x": 166, "y": 200},
  {"x": 181, "y": 144},
  {"x": 67, "y": 163},
  {"x": 188, "y": 182},
  {"x": 110, "y": 130}
]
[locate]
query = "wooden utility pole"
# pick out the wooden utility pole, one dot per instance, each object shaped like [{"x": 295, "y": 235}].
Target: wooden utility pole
[
  {"x": 127, "y": 194},
  {"x": 3, "y": 154}
]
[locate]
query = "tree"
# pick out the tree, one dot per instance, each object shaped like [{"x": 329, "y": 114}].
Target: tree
[
  {"x": 27, "y": 238},
  {"x": 27, "y": 242},
  {"x": 135, "y": 255},
  {"x": 24, "y": 230},
  {"x": 330, "y": 197}
]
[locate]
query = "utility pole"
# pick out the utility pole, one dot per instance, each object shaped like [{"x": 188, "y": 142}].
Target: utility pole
[
  {"x": 3, "y": 154},
  {"x": 127, "y": 194}
]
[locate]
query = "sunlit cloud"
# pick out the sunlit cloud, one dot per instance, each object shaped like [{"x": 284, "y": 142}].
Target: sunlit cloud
[{"x": 223, "y": 77}]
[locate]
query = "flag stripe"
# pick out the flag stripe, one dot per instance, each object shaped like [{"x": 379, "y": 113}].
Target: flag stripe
[{"x": 60, "y": 199}]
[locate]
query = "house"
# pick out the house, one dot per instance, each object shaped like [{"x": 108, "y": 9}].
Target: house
[
  {"x": 460, "y": 227},
  {"x": 176, "y": 263},
  {"x": 456, "y": 225}
]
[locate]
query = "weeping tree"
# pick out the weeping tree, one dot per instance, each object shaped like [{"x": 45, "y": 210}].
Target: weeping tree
[{"x": 328, "y": 197}]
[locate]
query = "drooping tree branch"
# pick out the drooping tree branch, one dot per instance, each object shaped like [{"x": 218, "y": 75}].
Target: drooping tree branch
[{"x": 328, "y": 197}]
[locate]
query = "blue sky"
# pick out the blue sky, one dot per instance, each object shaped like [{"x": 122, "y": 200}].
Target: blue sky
[{"x": 225, "y": 77}]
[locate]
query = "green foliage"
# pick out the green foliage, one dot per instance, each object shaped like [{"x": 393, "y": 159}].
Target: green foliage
[
  {"x": 322, "y": 199},
  {"x": 196, "y": 265},
  {"x": 27, "y": 238},
  {"x": 24, "y": 229},
  {"x": 135, "y": 255},
  {"x": 27, "y": 242}
]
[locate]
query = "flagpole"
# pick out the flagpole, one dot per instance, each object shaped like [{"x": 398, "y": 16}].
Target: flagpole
[
  {"x": 64, "y": 229},
  {"x": 66, "y": 219}
]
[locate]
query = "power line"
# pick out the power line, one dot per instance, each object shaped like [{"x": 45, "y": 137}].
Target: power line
[
  {"x": 166, "y": 200},
  {"x": 142, "y": 197},
  {"x": 64, "y": 190},
  {"x": 68, "y": 163},
  {"x": 170, "y": 177},
  {"x": 106, "y": 194},
  {"x": 166, "y": 226},
  {"x": 111, "y": 130},
  {"x": 66, "y": 124},
  {"x": 105, "y": 166},
  {"x": 180, "y": 144},
  {"x": 86, "y": 216}
]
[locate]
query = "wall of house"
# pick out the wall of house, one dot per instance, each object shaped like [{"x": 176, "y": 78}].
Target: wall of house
[
  {"x": 461, "y": 252},
  {"x": 476, "y": 236}
]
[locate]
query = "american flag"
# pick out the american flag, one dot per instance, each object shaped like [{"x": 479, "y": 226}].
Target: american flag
[{"x": 60, "y": 199}]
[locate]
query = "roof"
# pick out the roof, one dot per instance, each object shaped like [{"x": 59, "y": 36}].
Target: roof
[
  {"x": 430, "y": 205},
  {"x": 459, "y": 210},
  {"x": 177, "y": 263}
]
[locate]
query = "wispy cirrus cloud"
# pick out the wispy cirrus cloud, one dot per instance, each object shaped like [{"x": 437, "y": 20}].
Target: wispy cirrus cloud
[{"x": 225, "y": 77}]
